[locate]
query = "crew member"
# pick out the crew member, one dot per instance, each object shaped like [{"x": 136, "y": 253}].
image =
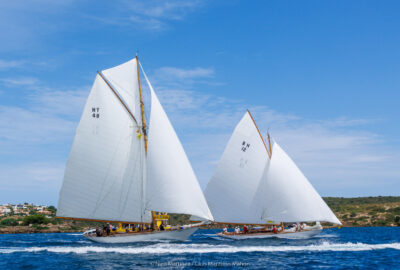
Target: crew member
[{"x": 108, "y": 228}]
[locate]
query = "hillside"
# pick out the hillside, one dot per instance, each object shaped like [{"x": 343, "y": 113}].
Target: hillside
[
  {"x": 366, "y": 211},
  {"x": 353, "y": 212}
]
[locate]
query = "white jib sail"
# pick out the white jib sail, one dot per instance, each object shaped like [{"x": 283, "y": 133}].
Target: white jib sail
[
  {"x": 171, "y": 183},
  {"x": 104, "y": 174},
  {"x": 232, "y": 193},
  {"x": 289, "y": 195}
]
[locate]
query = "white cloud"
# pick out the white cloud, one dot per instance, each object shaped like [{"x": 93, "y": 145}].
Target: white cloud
[
  {"x": 32, "y": 174},
  {"x": 178, "y": 79},
  {"x": 152, "y": 15},
  {"x": 4, "y": 64},
  {"x": 22, "y": 81},
  {"x": 35, "y": 139},
  {"x": 27, "y": 28},
  {"x": 146, "y": 23},
  {"x": 170, "y": 9},
  {"x": 59, "y": 102},
  {"x": 172, "y": 73},
  {"x": 37, "y": 182},
  {"x": 29, "y": 126},
  {"x": 45, "y": 117}
]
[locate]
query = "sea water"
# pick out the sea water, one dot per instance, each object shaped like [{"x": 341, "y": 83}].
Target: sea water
[{"x": 357, "y": 248}]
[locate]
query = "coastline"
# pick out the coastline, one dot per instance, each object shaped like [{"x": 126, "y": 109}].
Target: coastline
[{"x": 381, "y": 211}]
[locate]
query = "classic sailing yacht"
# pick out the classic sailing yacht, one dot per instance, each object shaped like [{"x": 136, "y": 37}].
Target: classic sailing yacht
[
  {"x": 121, "y": 170},
  {"x": 260, "y": 185}
]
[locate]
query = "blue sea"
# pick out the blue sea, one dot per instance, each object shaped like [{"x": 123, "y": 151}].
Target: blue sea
[{"x": 356, "y": 248}]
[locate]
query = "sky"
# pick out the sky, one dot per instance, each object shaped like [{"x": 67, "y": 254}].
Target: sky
[{"x": 321, "y": 76}]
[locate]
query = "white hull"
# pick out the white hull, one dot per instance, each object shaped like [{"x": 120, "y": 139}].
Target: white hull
[
  {"x": 175, "y": 235},
  {"x": 285, "y": 235}
]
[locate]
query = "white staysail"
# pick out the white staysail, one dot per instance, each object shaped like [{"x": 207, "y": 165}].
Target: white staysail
[
  {"x": 233, "y": 191},
  {"x": 289, "y": 195},
  {"x": 171, "y": 183},
  {"x": 104, "y": 174}
]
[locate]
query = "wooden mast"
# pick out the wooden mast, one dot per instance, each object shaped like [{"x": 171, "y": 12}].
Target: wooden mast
[
  {"x": 270, "y": 147},
  {"x": 153, "y": 213},
  {"x": 141, "y": 105},
  {"x": 266, "y": 148}
]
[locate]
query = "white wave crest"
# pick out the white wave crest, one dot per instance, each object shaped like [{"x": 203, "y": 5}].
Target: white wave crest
[
  {"x": 326, "y": 236},
  {"x": 206, "y": 248}
]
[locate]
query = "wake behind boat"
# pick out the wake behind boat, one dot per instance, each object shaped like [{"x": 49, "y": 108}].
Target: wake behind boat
[
  {"x": 260, "y": 185},
  {"x": 121, "y": 170}
]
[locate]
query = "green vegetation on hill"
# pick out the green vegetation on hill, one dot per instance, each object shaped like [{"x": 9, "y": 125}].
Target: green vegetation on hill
[
  {"x": 366, "y": 211},
  {"x": 9, "y": 222},
  {"x": 340, "y": 201},
  {"x": 35, "y": 219}
]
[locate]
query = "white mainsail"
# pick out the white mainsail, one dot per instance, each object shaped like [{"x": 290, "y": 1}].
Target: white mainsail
[
  {"x": 106, "y": 176},
  {"x": 232, "y": 191},
  {"x": 248, "y": 187},
  {"x": 104, "y": 172},
  {"x": 289, "y": 195},
  {"x": 171, "y": 183}
]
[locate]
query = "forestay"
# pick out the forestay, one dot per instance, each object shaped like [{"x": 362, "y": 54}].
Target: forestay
[
  {"x": 233, "y": 191},
  {"x": 171, "y": 183},
  {"x": 289, "y": 195},
  {"x": 104, "y": 173}
]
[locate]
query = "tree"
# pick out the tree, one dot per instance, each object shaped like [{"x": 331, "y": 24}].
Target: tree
[
  {"x": 397, "y": 220},
  {"x": 11, "y": 210},
  {"x": 35, "y": 219},
  {"x": 52, "y": 209},
  {"x": 9, "y": 222}
]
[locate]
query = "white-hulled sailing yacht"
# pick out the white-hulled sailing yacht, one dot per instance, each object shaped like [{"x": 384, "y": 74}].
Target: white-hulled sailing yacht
[
  {"x": 260, "y": 185},
  {"x": 122, "y": 169}
]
